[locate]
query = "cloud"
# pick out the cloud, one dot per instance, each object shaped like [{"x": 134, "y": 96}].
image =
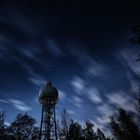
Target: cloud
[
  {"x": 34, "y": 77},
  {"x": 3, "y": 101},
  {"x": 134, "y": 83},
  {"x": 103, "y": 120},
  {"x": 122, "y": 100},
  {"x": 78, "y": 84},
  {"x": 29, "y": 53},
  {"x": 20, "y": 105},
  {"x": 37, "y": 81},
  {"x": 91, "y": 66},
  {"x": 93, "y": 95},
  {"x": 80, "y": 87},
  {"x": 102, "y": 127},
  {"x": 62, "y": 94},
  {"x": 52, "y": 45},
  {"x": 130, "y": 56},
  {"x": 71, "y": 112},
  {"x": 95, "y": 68},
  {"x": 77, "y": 101},
  {"x": 105, "y": 112}
]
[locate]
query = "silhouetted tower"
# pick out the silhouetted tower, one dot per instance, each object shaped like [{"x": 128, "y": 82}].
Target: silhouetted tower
[{"x": 48, "y": 97}]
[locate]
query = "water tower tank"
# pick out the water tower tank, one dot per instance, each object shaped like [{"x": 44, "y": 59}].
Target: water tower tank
[{"x": 48, "y": 92}]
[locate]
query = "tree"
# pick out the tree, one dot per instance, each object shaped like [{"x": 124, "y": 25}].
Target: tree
[
  {"x": 100, "y": 135},
  {"x": 5, "y": 133},
  {"x": 75, "y": 131},
  {"x": 35, "y": 134},
  {"x": 23, "y": 126},
  {"x": 116, "y": 130},
  {"x": 136, "y": 35},
  {"x": 63, "y": 125},
  {"x": 2, "y": 126},
  {"x": 124, "y": 126},
  {"x": 135, "y": 39},
  {"x": 88, "y": 132}
]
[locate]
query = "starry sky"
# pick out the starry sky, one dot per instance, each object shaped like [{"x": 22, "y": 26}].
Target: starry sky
[{"x": 82, "y": 47}]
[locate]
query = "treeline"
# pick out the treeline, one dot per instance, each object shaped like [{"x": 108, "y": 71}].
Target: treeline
[
  {"x": 24, "y": 128},
  {"x": 123, "y": 127}
]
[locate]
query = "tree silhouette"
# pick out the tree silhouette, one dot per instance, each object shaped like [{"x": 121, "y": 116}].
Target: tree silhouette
[
  {"x": 2, "y": 126},
  {"x": 75, "y": 131},
  {"x": 135, "y": 39},
  {"x": 124, "y": 126},
  {"x": 100, "y": 135},
  {"x": 23, "y": 127},
  {"x": 63, "y": 125},
  {"x": 68, "y": 129},
  {"x": 88, "y": 132},
  {"x": 136, "y": 34},
  {"x": 35, "y": 133}
]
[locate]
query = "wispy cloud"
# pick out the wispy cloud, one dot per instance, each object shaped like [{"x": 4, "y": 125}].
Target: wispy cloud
[
  {"x": 93, "y": 95},
  {"x": 91, "y": 66},
  {"x": 130, "y": 56},
  {"x": 106, "y": 111},
  {"x": 37, "y": 81},
  {"x": 122, "y": 100},
  {"x": 4, "y": 94},
  {"x": 20, "y": 105},
  {"x": 96, "y": 68},
  {"x": 71, "y": 112},
  {"x": 3, "y": 101},
  {"x": 34, "y": 77},
  {"x": 80, "y": 87},
  {"x": 134, "y": 83},
  {"x": 53, "y": 47},
  {"x": 103, "y": 120},
  {"x": 78, "y": 84},
  {"x": 62, "y": 94},
  {"x": 77, "y": 101}
]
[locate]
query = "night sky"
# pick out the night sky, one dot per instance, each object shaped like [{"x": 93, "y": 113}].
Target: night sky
[{"x": 81, "y": 47}]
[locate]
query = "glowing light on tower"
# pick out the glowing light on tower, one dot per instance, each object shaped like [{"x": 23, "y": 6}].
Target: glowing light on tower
[{"x": 48, "y": 97}]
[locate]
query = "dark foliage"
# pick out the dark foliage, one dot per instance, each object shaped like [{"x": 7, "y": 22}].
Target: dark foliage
[
  {"x": 69, "y": 129},
  {"x": 124, "y": 126},
  {"x": 101, "y": 135},
  {"x": 135, "y": 39},
  {"x": 75, "y": 131},
  {"x": 63, "y": 125},
  {"x": 136, "y": 35},
  {"x": 88, "y": 131},
  {"x": 23, "y": 128},
  {"x": 2, "y": 127}
]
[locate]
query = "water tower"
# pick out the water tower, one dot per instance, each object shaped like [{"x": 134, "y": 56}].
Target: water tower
[{"x": 48, "y": 97}]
